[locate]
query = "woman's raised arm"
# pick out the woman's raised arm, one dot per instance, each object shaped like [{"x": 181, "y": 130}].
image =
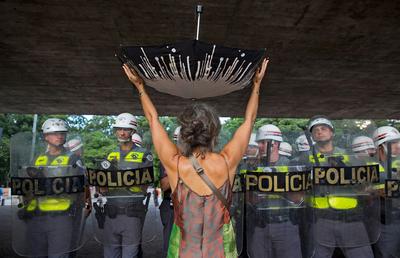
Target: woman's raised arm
[
  {"x": 236, "y": 147},
  {"x": 165, "y": 149}
]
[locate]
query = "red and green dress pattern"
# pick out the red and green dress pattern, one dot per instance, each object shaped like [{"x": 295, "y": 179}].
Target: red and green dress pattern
[{"x": 202, "y": 225}]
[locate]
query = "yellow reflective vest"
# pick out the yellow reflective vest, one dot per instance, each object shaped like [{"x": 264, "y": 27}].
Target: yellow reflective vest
[
  {"x": 130, "y": 157},
  {"x": 47, "y": 203},
  {"x": 331, "y": 201},
  {"x": 43, "y": 160},
  {"x": 283, "y": 169}
]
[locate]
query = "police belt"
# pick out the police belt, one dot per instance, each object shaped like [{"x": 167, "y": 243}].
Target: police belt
[
  {"x": 272, "y": 216},
  {"x": 71, "y": 212},
  {"x": 122, "y": 201},
  {"x": 130, "y": 210},
  {"x": 351, "y": 215}
]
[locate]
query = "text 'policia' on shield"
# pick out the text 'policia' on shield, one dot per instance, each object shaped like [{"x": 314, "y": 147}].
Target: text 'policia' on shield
[
  {"x": 392, "y": 188},
  {"x": 121, "y": 178},
  {"x": 278, "y": 182},
  {"x": 345, "y": 175},
  {"x": 42, "y": 186}
]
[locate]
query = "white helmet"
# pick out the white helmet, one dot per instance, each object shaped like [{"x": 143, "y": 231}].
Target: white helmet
[
  {"x": 53, "y": 125},
  {"x": 319, "y": 120},
  {"x": 73, "y": 145},
  {"x": 252, "y": 148},
  {"x": 385, "y": 134},
  {"x": 176, "y": 133},
  {"x": 269, "y": 132},
  {"x": 252, "y": 141},
  {"x": 136, "y": 139},
  {"x": 285, "y": 149},
  {"x": 362, "y": 143},
  {"x": 125, "y": 120},
  {"x": 301, "y": 143}
]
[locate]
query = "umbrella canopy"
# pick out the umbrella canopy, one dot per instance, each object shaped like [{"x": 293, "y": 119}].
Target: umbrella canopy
[{"x": 193, "y": 69}]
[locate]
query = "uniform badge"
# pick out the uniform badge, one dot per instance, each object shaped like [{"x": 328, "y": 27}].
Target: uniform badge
[{"x": 105, "y": 164}]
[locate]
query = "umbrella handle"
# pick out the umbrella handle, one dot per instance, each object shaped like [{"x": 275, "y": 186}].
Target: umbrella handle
[{"x": 199, "y": 11}]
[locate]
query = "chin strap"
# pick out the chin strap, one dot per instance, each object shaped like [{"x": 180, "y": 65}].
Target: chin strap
[
  {"x": 123, "y": 140},
  {"x": 61, "y": 145}
]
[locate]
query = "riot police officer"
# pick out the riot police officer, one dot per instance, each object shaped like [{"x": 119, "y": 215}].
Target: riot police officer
[
  {"x": 136, "y": 139},
  {"x": 302, "y": 149},
  {"x": 339, "y": 211},
  {"x": 363, "y": 146},
  {"x": 53, "y": 221},
  {"x": 271, "y": 230},
  {"x": 285, "y": 149},
  {"x": 124, "y": 208},
  {"x": 75, "y": 146},
  {"x": 389, "y": 241},
  {"x": 270, "y": 135}
]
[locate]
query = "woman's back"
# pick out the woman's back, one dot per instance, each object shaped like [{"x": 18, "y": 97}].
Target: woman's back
[
  {"x": 202, "y": 226},
  {"x": 215, "y": 167}
]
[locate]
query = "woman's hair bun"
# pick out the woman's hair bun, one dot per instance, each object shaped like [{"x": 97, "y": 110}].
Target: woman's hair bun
[{"x": 200, "y": 127}]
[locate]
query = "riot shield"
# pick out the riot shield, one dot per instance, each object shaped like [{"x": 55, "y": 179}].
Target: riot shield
[
  {"x": 237, "y": 210},
  {"x": 48, "y": 210},
  {"x": 345, "y": 199},
  {"x": 274, "y": 203},
  {"x": 124, "y": 213},
  {"x": 304, "y": 213},
  {"x": 389, "y": 242}
]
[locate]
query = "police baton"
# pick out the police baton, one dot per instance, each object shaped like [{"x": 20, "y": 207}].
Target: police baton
[
  {"x": 389, "y": 161},
  {"x": 389, "y": 204},
  {"x": 268, "y": 152},
  {"x": 312, "y": 147}
]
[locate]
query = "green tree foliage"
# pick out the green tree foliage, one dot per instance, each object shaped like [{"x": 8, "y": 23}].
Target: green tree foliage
[
  {"x": 100, "y": 123},
  {"x": 97, "y": 146},
  {"x": 99, "y": 140}
]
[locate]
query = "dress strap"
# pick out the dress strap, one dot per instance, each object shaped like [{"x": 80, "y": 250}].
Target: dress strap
[
  {"x": 227, "y": 166},
  {"x": 177, "y": 166},
  {"x": 178, "y": 180}
]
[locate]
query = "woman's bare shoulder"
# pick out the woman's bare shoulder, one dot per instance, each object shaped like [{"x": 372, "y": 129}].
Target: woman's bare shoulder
[{"x": 212, "y": 162}]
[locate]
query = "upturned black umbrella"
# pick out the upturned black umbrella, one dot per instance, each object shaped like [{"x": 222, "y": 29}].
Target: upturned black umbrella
[{"x": 193, "y": 69}]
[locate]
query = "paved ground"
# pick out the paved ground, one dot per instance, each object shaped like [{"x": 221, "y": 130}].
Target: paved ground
[{"x": 91, "y": 248}]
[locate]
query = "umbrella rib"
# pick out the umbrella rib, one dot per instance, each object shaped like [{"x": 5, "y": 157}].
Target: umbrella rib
[
  {"x": 182, "y": 68},
  {"x": 189, "y": 71},
  {"x": 236, "y": 75},
  {"x": 198, "y": 70},
  {"x": 244, "y": 72},
  {"x": 162, "y": 73},
  {"x": 146, "y": 63},
  {"x": 170, "y": 75},
  {"x": 218, "y": 69}
]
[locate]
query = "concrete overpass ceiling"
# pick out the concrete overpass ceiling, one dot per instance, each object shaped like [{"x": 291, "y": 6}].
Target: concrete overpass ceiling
[{"x": 335, "y": 57}]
